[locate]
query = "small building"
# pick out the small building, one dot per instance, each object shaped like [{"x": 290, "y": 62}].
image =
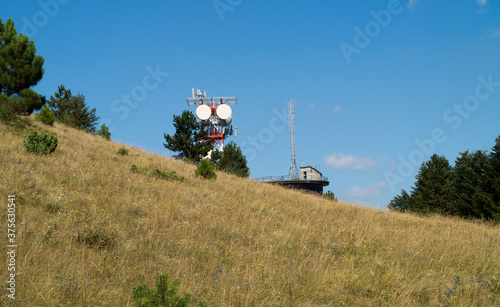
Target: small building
[
  {"x": 310, "y": 173},
  {"x": 309, "y": 179}
]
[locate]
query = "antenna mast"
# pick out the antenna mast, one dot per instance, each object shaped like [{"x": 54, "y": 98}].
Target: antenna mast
[
  {"x": 215, "y": 114},
  {"x": 294, "y": 171}
]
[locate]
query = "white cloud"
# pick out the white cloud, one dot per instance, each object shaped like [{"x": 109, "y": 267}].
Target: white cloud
[
  {"x": 372, "y": 190},
  {"x": 494, "y": 33},
  {"x": 336, "y": 109},
  {"x": 312, "y": 105},
  {"x": 482, "y": 2},
  {"x": 411, "y": 4},
  {"x": 342, "y": 161}
]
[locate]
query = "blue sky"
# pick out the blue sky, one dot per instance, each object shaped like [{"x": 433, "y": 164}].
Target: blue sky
[{"x": 379, "y": 86}]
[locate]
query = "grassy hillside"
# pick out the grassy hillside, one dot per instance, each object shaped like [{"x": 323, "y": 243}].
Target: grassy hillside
[{"x": 89, "y": 230}]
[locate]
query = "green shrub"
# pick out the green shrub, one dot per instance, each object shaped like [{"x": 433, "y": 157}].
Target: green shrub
[
  {"x": 46, "y": 116},
  {"x": 97, "y": 236},
  {"x": 330, "y": 195},
  {"x": 206, "y": 170},
  {"x": 6, "y": 113},
  {"x": 43, "y": 143},
  {"x": 123, "y": 151},
  {"x": 165, "y": 293},
  {"x": 168, "y": 175},
  {"x": 104, "y": 132}
]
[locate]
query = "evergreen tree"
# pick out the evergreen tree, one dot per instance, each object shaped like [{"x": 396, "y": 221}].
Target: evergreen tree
[
  {"x": 104, "y": 132},
  {"x": 73, "y": 110},
  {"x": 492, "y": 184},
  {"x": 46, "y": 115},
  {"x": 432, "y": 191},
  {"x": 60, "y": 102},
  {"x": 205, "y": 169},
  {"x": 20, "y": 69},
  {"x": 190, "y": 139},
  {"x": 230, "y": 160},
  {"x": 469, "y": 197},
  {"x": 80, "y": 116},
  {"x": 401, "y": 202}
]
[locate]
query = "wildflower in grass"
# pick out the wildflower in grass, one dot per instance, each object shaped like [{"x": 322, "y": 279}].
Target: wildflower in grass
[
  {"x": 457, "y": 280},
  {"x": 248, "y": 285},
  {"x": 448, "y": 292}
]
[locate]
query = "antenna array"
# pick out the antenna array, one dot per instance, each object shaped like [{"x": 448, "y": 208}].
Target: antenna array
[{"x": 215, "y": 114}]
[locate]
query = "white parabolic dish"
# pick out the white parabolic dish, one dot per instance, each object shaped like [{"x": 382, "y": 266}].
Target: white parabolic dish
[
  {"x": 203, "y": 112},
  {"x": 224, "y": 112}
]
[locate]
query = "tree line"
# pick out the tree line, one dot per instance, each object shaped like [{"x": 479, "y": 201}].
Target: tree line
[{"x": 469, "y": 189}]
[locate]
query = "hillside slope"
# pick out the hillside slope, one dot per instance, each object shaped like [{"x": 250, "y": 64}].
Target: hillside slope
[{"x": 89, "y": 230}]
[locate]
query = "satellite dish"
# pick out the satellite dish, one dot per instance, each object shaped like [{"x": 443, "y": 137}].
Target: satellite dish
[
  {"x": 203, "y": 112},
  {"x": 224, "y": 113}
]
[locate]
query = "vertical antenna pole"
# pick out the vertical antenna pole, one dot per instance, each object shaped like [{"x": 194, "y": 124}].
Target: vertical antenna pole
[{"x": 294, "y": 172}]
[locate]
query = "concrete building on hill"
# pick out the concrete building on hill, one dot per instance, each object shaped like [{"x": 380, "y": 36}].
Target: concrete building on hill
[
  {"x": 307, "y": 178},
  {"x": 310, "y": 180}
]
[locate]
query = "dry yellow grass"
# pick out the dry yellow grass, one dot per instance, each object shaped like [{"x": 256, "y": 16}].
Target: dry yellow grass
[{"x": 231, "y": 242}]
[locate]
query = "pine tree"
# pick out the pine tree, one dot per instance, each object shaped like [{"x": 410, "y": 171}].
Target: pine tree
[
  {"x": 46, "y": 115},
  {"x": 401, "y": 202},
  {"x": 104, "y": 132},
  {"x": 80, "y": 116},
  {"x": 469, "y": 197},
  {"x": 205, "y": 169},
  {"x": 432, "y": 191},
  {"x": 189, "y": 140},
  {"x": 230, "y": 160},
  {"x": 60, "y": 102},
  {"x": 20, "y": 69},
  {"x": 493, "y": 180},
  {"x": 73, "y": 110}
]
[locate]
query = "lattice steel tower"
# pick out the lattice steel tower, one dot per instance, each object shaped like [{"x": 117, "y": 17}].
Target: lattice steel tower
[{"x": 294, "y": 171}]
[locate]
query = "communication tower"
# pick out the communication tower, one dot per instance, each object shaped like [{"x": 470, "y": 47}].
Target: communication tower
[
  {"x": 294, "y": 171},
  {"x": 215, "y": 114},
  {"x": 308, "y": 178}
]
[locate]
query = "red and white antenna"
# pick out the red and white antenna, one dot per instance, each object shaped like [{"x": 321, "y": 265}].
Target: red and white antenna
[{"x": 215, "y": 114}]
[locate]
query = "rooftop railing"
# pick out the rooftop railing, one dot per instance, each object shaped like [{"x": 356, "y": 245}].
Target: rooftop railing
[{"x": 291, "y": 178}]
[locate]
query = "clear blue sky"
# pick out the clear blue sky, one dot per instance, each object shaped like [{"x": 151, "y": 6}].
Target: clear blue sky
[{"x": 369, "y": 78}]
